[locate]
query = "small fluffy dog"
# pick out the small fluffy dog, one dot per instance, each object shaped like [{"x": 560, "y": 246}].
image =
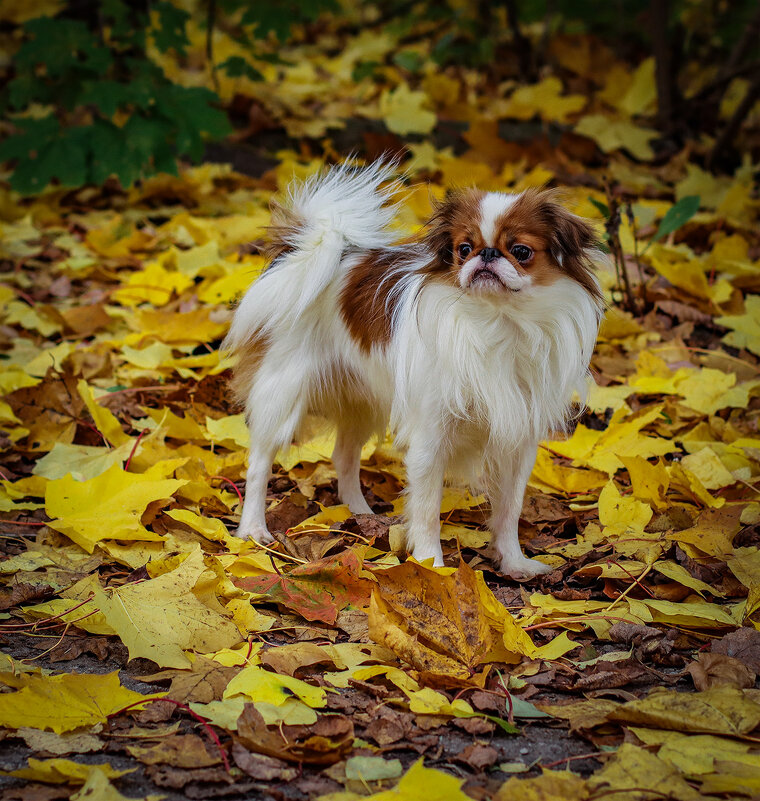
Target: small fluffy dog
[{"x": 470, "y": 339}]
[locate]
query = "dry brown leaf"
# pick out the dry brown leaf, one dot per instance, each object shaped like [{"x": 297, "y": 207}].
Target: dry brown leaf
[
  {"x": 436, "y": 623},
  {"x": 715, "y": 670},
  {"x": 323, "y": 743}
]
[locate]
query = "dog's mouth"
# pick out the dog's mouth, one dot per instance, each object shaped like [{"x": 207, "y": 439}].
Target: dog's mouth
[{"x": 485, "y": 275}]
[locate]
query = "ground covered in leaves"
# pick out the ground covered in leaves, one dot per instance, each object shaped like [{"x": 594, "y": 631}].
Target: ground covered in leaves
[{"x": 147, "y": 652}]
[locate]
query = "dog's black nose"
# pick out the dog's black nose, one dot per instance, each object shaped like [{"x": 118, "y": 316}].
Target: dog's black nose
[{"x": 489, "y": 254}]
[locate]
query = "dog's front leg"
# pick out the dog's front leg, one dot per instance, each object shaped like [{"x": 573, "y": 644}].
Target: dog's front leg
[
  {"x": 425, "y": 463},
  {"x": 507, "y": 488}
]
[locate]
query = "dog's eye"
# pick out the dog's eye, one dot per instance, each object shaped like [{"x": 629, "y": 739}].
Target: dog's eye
[
  {"x": 522, "y": 253},
  {"x": 464, "y": 250}
]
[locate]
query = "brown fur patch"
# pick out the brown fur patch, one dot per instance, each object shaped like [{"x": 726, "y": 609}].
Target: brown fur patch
[
  {"x": 455, "y": 220},
  {"x": 249, "y": 356},
  {"x": 366, "y": 304},
  {"x": 284, "y": 226}
]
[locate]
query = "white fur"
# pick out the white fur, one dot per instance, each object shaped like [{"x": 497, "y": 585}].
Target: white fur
[
  {"x": 493, "y": 206},
  {"x": 501, "y": 267},
  {"x": 470, "y": 381}
]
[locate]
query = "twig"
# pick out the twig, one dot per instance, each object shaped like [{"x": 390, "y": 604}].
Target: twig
[
  {"x": 134, "y": 448},
  {"x": 592, "y": 755},
  {"x": 746, "y": 43},
  {"x": 628, "y": 589},
  {"x": 642, "y": 283},
  {"x": 577, "y": 619},
  {"x": 52, "y": 647},
  {"x": 631, "y": 576},
  {"x": 156, "y": 388},
  {"x": 232, "y": 484},
  {"x": 17, "y": 626},
  {"x": 210, "y": 21},
  {"x": 665, "y": 71},
  {"x": 612, "y": 226}
]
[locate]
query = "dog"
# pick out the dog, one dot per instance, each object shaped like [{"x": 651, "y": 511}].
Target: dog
[{"x": 469, "y": 339}]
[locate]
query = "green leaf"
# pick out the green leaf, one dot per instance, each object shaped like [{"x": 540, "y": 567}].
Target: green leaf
[
  {"x": 65, "y": 46},
  {"x": 408, "y": 60},
  {"x": 603, "y": 208},
  {"x": 236, "y": 66},
  {"x": 279, "y": 16},
  {"x": 33, "y": 135},
  {"x": 170, "y": 32},
  {"x": 364, "y": 69},
  {"x": 110, "y": 154},
  {"x": 677, "y": 215},
  {"x": 106, "y": 95}
]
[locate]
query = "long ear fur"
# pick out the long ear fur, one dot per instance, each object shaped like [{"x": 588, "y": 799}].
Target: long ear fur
[{"x": 438, "y": 236}]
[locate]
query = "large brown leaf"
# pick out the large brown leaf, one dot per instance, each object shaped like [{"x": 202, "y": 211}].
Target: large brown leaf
[{"x": 437, "y": 623}]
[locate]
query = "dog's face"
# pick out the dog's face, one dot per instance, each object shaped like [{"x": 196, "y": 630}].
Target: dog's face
[{"x": 495, "y": 244}]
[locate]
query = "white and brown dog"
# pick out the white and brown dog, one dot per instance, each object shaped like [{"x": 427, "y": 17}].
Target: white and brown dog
[{"x": 470, "y": 340}]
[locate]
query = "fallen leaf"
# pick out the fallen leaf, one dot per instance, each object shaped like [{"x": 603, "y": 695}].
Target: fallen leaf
[
  {"x": 81, "y": 509},
  {"x": 66, "y": 702},
  {"x": 721, "y": 710},
  {"x": 160, "y": 618},
  {"x": 318, "y": 590},
  {"x": 718, "y": 670}
]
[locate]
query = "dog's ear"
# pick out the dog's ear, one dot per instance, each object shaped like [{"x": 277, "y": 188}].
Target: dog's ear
[
  {"x": 456, "y": 212},
  {"x": 438, "y": 237},
  {"x": 574, "y": 245}
]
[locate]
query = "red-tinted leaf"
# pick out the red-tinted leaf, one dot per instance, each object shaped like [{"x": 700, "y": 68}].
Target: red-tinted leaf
[{"x": 317, "y": 590}]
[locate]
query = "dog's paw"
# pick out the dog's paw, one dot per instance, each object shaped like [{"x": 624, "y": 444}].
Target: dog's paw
[
  {"x": 258, "y": 534},
  {"x": 359, "y": 506},
  {"x": 523, "y": 568},
  {"x": 421, "y": 554}
]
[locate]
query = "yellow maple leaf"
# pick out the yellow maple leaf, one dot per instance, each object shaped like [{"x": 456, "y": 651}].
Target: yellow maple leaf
[
  {"x": 406, "y": 111},
  {"x": 613, "y": 135},
  {"x": 173, "y": 327},
  {"x": 86, "y": 615},
  {"x": 160, "y": 618},
  {"x": 261, "y": 685},
  {"x": 649, "y": 481},
  {"x": 603, "y": 450},
  {"x": 154, "y": 284},
  {"x": 65, "y": 771},
  {"x": 708, "y": 468},
  {"x": 745, "y": 328},
  {"x": 83, "y": 462},
  {"x": 688, "y": 274},
  {"x": 108, "y": 506},
  {"x": 642, "y": 92},
  {"x": 233, "y": 285},
  {"x": 107, "y": 423},
  {"x": 66, "y": 701},
  {"x": 98, "y": 787},
  {"x": 635, "y": 773},
  {"x": 543, "y": 99},
  {"x": 622, "y": 516},
  {"x": 421, "y": 782}
]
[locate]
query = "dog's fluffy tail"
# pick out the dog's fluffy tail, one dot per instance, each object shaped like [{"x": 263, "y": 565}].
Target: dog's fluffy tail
[{"x": 329, "y": 213}]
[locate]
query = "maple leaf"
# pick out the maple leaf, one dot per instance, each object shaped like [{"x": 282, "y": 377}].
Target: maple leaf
[
  {"x": 318, "y": 590},
  {"x": 160, "y": 618},
  {"x": 66, "y": 702},
  {"x": 108, "y": 506}
]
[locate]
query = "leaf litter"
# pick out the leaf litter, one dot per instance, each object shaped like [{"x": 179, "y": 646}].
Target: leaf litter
[{"x": 323, "y": 665}]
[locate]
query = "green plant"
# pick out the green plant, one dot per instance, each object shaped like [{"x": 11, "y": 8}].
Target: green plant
[{"x": 87, "y": 102}]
